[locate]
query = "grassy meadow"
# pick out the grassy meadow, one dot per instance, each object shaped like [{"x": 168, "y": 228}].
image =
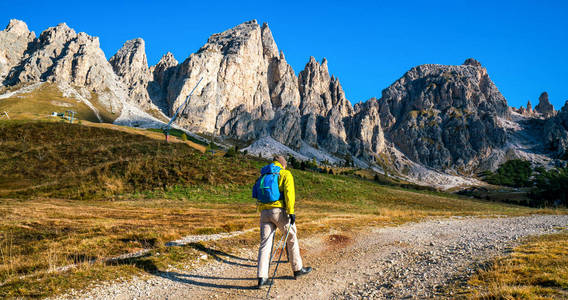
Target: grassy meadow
[
  {"x": 47, "y": 98},
  {"x": 537, "y": 269},
  {"x": 74, "y": 194}
]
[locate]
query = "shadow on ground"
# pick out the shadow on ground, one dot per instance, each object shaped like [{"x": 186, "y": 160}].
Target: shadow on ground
[{"x": 217, "y": 282}]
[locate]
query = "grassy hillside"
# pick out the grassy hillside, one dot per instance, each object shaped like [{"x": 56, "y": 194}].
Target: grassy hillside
[
  {"x": 70, "y": 194},
  {"x": 82, "y": 162},
  {"x": 41, "y": 102}
]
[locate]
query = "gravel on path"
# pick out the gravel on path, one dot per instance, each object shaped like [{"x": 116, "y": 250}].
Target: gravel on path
[{"x": 415, "y": 260}]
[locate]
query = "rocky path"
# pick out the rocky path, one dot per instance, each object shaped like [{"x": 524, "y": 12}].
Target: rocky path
[{"x": 411, "y": 261}]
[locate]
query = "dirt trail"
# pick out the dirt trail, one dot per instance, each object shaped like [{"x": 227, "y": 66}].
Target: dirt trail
[{"x": 411, "y": 261}]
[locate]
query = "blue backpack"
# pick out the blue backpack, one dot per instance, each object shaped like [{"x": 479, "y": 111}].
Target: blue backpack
[{"x": 266, "y": 187}]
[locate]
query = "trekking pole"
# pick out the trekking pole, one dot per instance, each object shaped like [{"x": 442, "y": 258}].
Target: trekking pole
[
  {"x": 272, "y": 250},
  {"x": 278, "y": 262}
]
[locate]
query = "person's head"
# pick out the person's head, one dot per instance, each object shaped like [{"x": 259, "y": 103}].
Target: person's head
[{"x": 281, "y": 160}]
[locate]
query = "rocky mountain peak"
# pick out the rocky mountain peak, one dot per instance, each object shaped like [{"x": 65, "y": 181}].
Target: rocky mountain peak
[
  {"x": 314, "y": 82},
  {"x": 529, "y": 107},
  {"x": 131, "y": 65},
  {"x": 61, "y": 55},
  {"x": 231, "y": 41},
  {"x": 323, "y": 107},
  {"x": 472, "y": 62},
  {"x": 268, "y": 44},
  {"x": 444, "y": 116},
  {"x": 544, "y": 107},
  {"x": 161, "y": 73},
  {"x": 14, "y": 41},
  {"x": 234, "y": 65},
  {"x": 168, "y": 60},
  {"x": 58, "y": 34},
  {"x": 18, "y": 27}
]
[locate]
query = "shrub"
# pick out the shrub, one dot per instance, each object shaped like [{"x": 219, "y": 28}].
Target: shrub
[
  {"x": 232, "y": 152},
  {"x": 514, "y": 173},
  {"x": 550, "y": 187}
]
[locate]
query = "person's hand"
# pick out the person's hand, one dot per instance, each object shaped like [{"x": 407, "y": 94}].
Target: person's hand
[{"x": 292, "y": 219}]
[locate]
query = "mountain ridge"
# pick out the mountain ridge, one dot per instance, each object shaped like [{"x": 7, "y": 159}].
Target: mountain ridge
[{"x": 449, "y": 119}]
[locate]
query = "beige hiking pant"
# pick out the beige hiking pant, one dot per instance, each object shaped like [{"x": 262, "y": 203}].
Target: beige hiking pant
[{"x": 269, "y": 220}]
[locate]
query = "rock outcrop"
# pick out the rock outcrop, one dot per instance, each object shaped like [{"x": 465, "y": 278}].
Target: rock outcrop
[
  {"x": 234, "y": 89},
  {"x": 63, "y": 56},
  {"x": 555, "y": 132},
  {"x": 366, "y": 137},
  {"x": 529, "y": 109},
  {"x": 131, "y": 65},
  {"x": 544, "y": 107},
  {"x": 14, "y": 41},
  {"x": 445, "y": 117},
  {"x": 162, "y": 72},
  {"x": 323, "y": 107},
  {"x": 248, "y": 89}
]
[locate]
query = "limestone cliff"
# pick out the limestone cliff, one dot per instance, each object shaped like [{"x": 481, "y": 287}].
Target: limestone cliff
[{"x": 445, "y": 116}]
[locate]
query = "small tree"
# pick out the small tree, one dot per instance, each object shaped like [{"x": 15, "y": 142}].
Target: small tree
[
  {"x": 183, "y": 137},
  {"x": 232, "y": 152},
  {"x": 293, "y": 162},
  {"x": 514, "y": 173},
  {"x": 550, "y": 187}
]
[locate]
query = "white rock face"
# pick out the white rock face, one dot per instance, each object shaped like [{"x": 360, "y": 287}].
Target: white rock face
[
  {"x": 367, "y": 137},
  {"x": 62, "y": 55},
  {"x": 234, "y": 70},
  {"x": 14, "y": 41},
  {"x": 131, "y": 65},
  {"x": 323, "y": 107}
]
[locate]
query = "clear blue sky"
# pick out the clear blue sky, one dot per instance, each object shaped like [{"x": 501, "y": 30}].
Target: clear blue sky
[{"x": 369, "y": 45}]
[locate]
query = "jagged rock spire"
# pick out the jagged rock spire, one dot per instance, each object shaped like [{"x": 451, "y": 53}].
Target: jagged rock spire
[
  {"x": 472, "y": 62},
  {"x": 18, "y": 27},
  {"x": 544, "y": 107},
  {"x": 131, "y": 65},
  {"x": 529, "y": 107}
]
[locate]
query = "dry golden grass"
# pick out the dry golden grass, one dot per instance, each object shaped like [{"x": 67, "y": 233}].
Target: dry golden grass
[
  {"x": 40, "y": 235},
  {"x": 538, "y": 269}
]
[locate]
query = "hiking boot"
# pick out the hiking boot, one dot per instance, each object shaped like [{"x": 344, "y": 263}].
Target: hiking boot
[
  {"x": 262, "y": 281},
  {"x": 301, "y": 272}
]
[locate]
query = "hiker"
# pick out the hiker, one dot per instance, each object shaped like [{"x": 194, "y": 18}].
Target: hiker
[{"x": 276, "y": 206}]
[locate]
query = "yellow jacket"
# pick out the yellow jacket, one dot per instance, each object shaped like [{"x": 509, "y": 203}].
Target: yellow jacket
[{"x": 286, "y": 186}]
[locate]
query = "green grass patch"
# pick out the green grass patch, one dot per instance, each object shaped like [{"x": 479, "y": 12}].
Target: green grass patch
[
  {"x": 81, "y": 162},
  {"x": 46, "y": 99},
  {"x": 179, "y": 134}
]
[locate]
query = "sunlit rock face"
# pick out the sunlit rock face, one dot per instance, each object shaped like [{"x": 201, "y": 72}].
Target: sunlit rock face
[
  {"x": 131, "y": 65},
  {"x": 14, "y": 41},
  {"x": 544, "y": 107},
  {"x": 445, "y": 116},
  {"x": 74, "y": 59}
]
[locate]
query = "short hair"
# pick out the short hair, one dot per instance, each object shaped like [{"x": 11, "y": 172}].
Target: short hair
[{"x": 281, "y": 160}]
